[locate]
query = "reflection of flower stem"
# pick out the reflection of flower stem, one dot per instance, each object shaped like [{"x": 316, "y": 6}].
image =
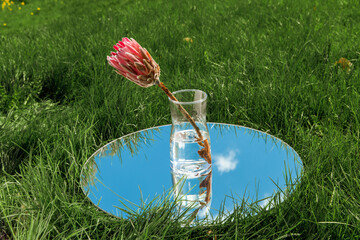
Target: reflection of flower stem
[
  {"x": 193, "y": 215},
  {"x": 207, "y": 184}
]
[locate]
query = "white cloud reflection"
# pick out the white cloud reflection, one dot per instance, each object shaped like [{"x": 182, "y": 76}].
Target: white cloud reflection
[
  {"x": 269, "y": 201},
  {"x": 266, "y": 201},
  {"x": 226, "y": 163}
]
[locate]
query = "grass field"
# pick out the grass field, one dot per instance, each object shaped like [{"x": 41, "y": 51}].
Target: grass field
[{"x": 265, "y": 64}]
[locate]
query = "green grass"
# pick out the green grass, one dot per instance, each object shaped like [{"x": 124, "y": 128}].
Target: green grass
[{"x": 265, "y": 64}]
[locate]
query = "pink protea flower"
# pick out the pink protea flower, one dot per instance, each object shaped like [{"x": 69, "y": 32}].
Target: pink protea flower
[{"x": 135, "y": 63}]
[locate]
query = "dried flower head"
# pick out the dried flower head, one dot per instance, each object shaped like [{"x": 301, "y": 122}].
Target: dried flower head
[{"x": 135, "y": 63}]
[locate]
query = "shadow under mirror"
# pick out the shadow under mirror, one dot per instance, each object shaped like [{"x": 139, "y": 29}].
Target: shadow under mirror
[{"x": 248, "y": 167}]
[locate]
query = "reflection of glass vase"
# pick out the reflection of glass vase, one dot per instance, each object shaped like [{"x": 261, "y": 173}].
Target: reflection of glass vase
[{"x": 190, "y": 154}]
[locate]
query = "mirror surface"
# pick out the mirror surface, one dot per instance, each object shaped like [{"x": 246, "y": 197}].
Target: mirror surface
[{"x": 133, "y": 170}]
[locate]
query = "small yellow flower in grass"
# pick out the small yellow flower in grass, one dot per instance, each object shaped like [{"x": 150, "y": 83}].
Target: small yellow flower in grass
[
  {"x": 12, "y": 2},
  {"x": 19, "y": 8},
  {"x": 38, "y": 9},
  {"x": 344, "y": 64},
  {"x": 5, "y": 24},
  {"x": 187, "y": 39},
  {"x": 22, "y": 3},
  {"x": 31, "y": 13}
]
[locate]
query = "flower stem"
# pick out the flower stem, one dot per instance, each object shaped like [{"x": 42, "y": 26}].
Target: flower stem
[{"x": 181, "y": 108}]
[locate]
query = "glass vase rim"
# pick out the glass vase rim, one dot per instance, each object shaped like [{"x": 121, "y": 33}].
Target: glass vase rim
[{"x": 192, "y": 102}]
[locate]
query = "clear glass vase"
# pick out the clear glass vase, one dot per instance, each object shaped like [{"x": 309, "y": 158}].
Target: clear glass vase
[{"x": 190, "y": 152}]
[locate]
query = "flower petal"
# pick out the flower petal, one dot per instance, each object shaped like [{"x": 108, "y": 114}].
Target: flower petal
[
  {"x": 143, "y": 54},
  {"x": 120, "y": 44},
  {"x": 140, "y": 67},
  {"x": 147, "y": 64}
]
